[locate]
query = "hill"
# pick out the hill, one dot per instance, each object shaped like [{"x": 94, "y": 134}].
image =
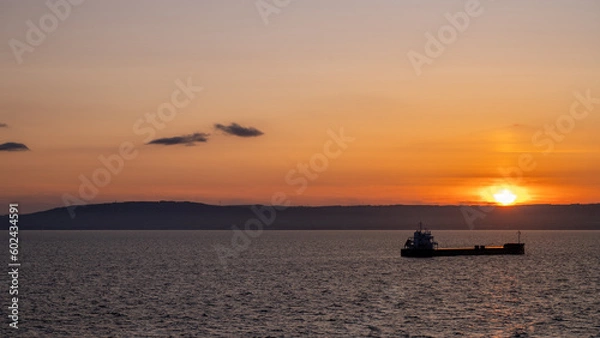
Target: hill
[{"x": 196, "y": 216}]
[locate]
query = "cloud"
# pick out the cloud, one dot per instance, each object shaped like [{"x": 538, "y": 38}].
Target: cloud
[
  {"x": 237, "y": 130},
  {"x": 3, "y": 125},
  {"x": 189, "y": 140},
  {"x": 12, "y": 146}
]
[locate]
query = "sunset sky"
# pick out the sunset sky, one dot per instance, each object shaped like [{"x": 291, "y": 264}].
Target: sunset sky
[{"x": 507, "y": 91}]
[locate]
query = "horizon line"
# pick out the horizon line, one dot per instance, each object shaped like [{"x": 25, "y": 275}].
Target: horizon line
[{"x": 315, "y": 206}]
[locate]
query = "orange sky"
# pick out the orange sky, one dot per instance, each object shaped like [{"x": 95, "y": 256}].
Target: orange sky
[{"x": 442, "y": 137}]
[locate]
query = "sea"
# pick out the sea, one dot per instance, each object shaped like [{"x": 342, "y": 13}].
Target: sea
[{"x": 302, "y": 284}]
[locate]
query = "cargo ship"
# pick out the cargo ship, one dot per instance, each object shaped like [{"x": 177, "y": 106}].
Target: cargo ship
[{"x": 422, "y": 244}]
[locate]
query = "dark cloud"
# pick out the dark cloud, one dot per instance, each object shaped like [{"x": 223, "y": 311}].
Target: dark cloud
[
  {"x": 3, "y": 125},
  {"x": 237, "y": 130},
  {"x": 12, "y": 146},
  {"x": 184, "y": 139}
]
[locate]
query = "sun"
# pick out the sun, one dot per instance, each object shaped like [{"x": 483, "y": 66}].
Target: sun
[{"x": 505, "y": 197}]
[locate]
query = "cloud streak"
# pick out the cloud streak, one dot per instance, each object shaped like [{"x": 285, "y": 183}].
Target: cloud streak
[
  {"x": 237, "y": 130},
  {"x": 12, "y": 146},
  {"x": 189, "y": 140}
]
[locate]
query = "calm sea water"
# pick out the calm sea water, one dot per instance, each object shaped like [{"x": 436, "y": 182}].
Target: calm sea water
[{"x": 310, "y": 283}]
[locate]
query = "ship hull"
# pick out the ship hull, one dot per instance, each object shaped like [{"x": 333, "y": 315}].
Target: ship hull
[{"x": 507, "y": 249}]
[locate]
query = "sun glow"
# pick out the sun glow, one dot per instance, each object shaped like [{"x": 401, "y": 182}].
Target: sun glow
[{"x": 505, "y": 197}]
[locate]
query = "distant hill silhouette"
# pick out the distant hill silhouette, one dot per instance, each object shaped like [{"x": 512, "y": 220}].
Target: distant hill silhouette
[{"x": 196, "y": 216}]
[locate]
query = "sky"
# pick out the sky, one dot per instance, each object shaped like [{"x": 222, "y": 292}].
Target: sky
[{"x": 329, "y": 102}]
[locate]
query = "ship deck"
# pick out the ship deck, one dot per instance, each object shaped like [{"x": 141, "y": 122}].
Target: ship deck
[
  {"x": 507, "y": 249},
  {"x": 469, "y": 248}
]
